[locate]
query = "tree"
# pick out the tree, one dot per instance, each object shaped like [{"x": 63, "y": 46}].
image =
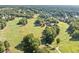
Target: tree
[
  {"x": 37, "y": 23},
  {"x": 57, "y": 41},
  {"x": 40, "y": 22},
  {"x": 2, "y": 23},
  {"x": 22, "y": 21},
  {"x": 73, "y": 29},
  {"x": 7, "y": 45},
  {"x": 49, "y": 34},
  {"x": 52, "y": 20},
  {"x": 75, "y": 35},
  {"x": 30, "y": 44},
  {"x": 1, "y": 47}
]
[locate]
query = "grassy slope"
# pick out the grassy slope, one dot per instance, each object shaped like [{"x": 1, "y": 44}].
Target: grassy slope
[
  {"x": 66, "y": 45},
  {"x": 14, "y": 33}
]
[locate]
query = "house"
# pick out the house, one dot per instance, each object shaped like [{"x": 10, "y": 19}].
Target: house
[
  {"x": 49, "y": 24},
  {"x": 62, "y": 19},
  {"x": 52, "y": 24}
]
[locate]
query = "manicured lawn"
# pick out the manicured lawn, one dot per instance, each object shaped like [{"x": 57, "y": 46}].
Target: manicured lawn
[{"x": 15, "y": 33}]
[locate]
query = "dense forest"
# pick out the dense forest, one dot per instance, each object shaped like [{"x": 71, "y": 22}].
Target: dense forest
[{"x": 39, "y": 29}]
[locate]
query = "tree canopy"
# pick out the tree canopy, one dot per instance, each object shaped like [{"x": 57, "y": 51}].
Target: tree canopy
[
  {"x": 49, "y": 34},
  {"x": 30, "y": 43}
]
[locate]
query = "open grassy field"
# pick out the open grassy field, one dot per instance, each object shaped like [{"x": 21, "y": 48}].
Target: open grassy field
[
  {"x": 15, "y": 33},
  {"x": 66, "y": 45}
]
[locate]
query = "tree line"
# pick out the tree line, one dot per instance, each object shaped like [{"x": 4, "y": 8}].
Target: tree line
[{"x": 73, "y": 29}]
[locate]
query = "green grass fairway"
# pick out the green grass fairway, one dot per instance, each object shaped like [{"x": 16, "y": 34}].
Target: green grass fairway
[
  {"x": 15, "y": 33},
  {"x": 66, "y": 45}
]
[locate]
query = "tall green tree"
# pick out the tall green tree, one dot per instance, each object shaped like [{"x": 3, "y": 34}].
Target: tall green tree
[
  {"x": 49, "y": 34},
  {"x": 30, "y": 44}
]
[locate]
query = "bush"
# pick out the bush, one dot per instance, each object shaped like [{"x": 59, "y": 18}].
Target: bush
[
  {"x": 6, "y": 44},
  {"x": 57, "y": 41}
]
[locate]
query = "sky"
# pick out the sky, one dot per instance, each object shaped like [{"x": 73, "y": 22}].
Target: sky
[{"x": 39, "y": 2}]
